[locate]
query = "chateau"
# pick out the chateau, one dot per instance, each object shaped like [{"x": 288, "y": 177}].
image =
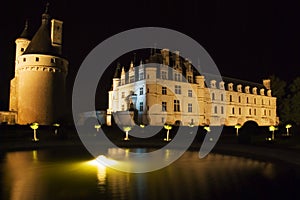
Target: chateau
[
  {"x": 172, "y": 92},
  {"x": 37, "y": 91}
]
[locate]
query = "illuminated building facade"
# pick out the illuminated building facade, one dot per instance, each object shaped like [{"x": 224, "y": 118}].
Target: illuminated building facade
[
  {"x": 171, "y": 92},
  {"x": 37, "y": 91}
]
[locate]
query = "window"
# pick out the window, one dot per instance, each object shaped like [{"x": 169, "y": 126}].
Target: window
[
  {"x": 148, "y": 90},
  {"x": 164, "y": 106},
  {"x": 270, "y": 112},
  {"x": 232, "y": 111},
  {"x": 163, "y": 120},
  {"x": 176, "y": 106},
  {"x": 265, "y": 112},
  {"x": 250, "y": 111},
  {"x": 254, "y": 111},
  {"x": 141, "y": 76},
  {"x": 247, "y": 99},
  {"x": 122, "y": 107},
  {"x": 177, "y": 89},
  {"x": 24, "y": 59},
  {"x": 239, "y": 99},
  {"x": 141, "y": 106},
  {"x": 213, "y": 96},
  {"x": 222, "y": 97},
  {"x": 190, "y": 79},
  {"x": 230, "y": 98},
  {"x": 216, "y": 110},
  {"x": 190, "y": 107},
  {"x": 177, "y": 77},
  {"x": 164, "y": 90},
  {"x": 22, "y": 49},
  {"x": 37, "y": 59},
  {"x": 131, "y": 79},
  {"x": 222, "y": 110},
  {"x": 262, "y": 102},
  {"x": 141, "y": 91},
  {"x": 254, "y": 100},
  {"x": 240, "y": 111},
  {"x": 163, "y": 75},
  {"x": 269, "y": 102},
  {"x": 190, "y": 93},
  {"x": 52, "y": 60},
  {"x": 123, "y": 94}
]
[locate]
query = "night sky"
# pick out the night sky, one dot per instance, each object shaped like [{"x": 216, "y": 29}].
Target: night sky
[{"x": 248, "y": 40}]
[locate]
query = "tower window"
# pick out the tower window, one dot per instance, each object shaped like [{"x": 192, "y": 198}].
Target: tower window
[
  {"x": 163, "y": 75},
  {"x": 164, "y": 106},
  {"x": 141, "y": 91},
  {"x": 24, "y": 59},
  {"x": 216, "y": 110},
  {"x": 37, "y": 59},
  {"x": 222, "y": 110},
  {"x": 52, "y": 60},
  {"x": 222, "y": 97},
  {"x": 190, "y": 107},
  {"x": 177, "y": 89},
  {"x": 190, "y": 93},
  {"x": 164, "y": 90},
  {"x": 213, "y": 96},
  {"x": 190, "y": 79},
  {"x": 22, "y": 49},
  {"x": 176, "y": 106},
  {"x": 141, "y": 106},
  {"x": 233, "y": 110},
  {"x": 230, "y": 98}
]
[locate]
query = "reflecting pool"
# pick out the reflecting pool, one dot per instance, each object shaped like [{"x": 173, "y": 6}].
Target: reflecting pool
[{"x": 70, "y": 173}]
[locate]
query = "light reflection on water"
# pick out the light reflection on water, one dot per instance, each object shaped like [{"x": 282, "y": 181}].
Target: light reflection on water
[{"x": 56, "y": 174}]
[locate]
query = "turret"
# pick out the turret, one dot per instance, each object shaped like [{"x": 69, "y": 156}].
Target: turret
[{"x": 23, "y": 41}]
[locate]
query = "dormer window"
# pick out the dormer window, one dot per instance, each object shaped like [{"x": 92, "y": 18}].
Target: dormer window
[
  {"x": 239, "y": 88},
  {"x": 213, "y": 84},
  {"x": 247, "y": 89},
  {"x": 221, "y": 85},
  {"x": 230, "y": 86}
]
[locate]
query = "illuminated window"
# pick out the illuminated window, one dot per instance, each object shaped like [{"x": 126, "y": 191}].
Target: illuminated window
[
  {"x": 190, "y": 107},
  {"x": 177, "y": 89},
  {"x": 216, "y": 110},
  {"x": 190, "y": 93},
  {"x": 163, "y": 75},
  {"x": 141, "y": 91},
  {"x": 164, "y": 90},
  {"x": 164, "y": 106},
  {"x": 176, "y": 106},
  {"x": 141, "y": 106}
]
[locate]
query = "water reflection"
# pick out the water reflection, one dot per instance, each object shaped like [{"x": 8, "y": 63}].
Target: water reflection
[{"x": 46, "y": 174}]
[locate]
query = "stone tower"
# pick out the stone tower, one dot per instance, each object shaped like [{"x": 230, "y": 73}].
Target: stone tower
[{"x": 37, "y": 91}]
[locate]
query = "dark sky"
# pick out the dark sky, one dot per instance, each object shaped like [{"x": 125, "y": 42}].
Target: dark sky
[{"x": 248, "y": 40}]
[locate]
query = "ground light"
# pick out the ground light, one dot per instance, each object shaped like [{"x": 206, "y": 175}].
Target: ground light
[
  {"x": 287, "y": 129},
  {"x": 207, "y": 128},
  {"x": 34, "y": 126},
  {"x": 56, "y": 125},
  {"x": 168, "y": 128},
  {"x": 126, "y": 129},
  {"x": 272, "y": 129},
  {"x": 97, "y": 127},
  {"x": 238, "y": 126}
]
